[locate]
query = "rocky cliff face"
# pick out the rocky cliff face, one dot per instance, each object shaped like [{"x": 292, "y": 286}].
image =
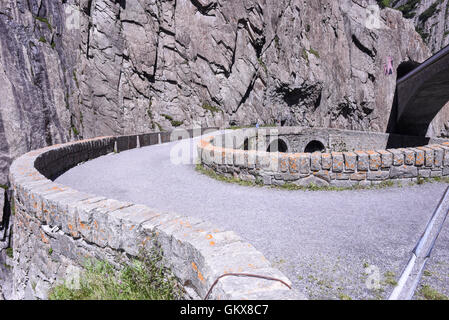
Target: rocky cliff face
[
  {"x": 431, "y": 18},
  {"x": 83, "y": 68}
]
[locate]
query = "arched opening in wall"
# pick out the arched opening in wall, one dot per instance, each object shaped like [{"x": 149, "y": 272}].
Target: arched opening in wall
[
  {"x": 406, "y": 67},
  {"x": 246, "y": 144},
  {"x": 314, "y": 146},
  {"x": 277, "y": 145}
]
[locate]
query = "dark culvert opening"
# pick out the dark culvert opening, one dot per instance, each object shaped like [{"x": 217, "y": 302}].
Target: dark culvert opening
[
  {"x": 246, "y": 144},
  {"x": 314, "y": 146},
  {"x": 277, "y": 146}
]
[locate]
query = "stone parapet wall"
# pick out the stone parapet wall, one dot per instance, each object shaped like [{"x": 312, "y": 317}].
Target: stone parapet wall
[
  {"x": 224, "y": 155},
  {"x": 57, "y": 228}
]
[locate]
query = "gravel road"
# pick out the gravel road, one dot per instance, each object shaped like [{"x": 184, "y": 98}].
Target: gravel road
[{"x": 330, "y": 244}]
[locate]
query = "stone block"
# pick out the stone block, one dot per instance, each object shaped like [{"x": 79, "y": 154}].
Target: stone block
[
  {"x": 315, "y": 161},
  {"x": 398, "y": 157},
  {"x": 420, "y": 158},
  {"x": 403, "y": 171},
  {"x": 438, "y": 156},
  {"x": 293, "y": 161},
  {"x": 375, "y": 160},
  {"x": 362, "y": 161},
  {"x": 358, "y": 176},
  {"x": 326, "y": 161},
  {"x": 337, "y": 162},
  {"x": 425, "y": 173},
  {"x": 283, "y": 162},
  {"x": 387, "y": 158},
  {"x": 378, "y": 175},
  {"x": 350, "y": 161},
  {"x": 323, "y": 174},
  {"x": 409, "y": 156},
  {"x": 304, "y": 163},
  {"x": 312, "y": 181},
  {"x": 428, "y": 156}
]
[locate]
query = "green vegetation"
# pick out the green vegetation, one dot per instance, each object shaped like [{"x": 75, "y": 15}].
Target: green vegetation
[
  {"x": 290, "y": 186},
  {"x": 263, "y": 65},
  {"x": 212, "y": 174},
  {"x": 429, "y": 293},
  {"x": 209, "y": 107},
  {"x": 76, "y": 79},
  {"x": 304, "y": 55},
  {"x": 314, "y": 52},
  {"x": 343, "y": 296},
  {"x": 408, "y": 8},
  {"x": 173, "y": 122},
  {"x": 3, "y": 186},
  {"x": 9, "y": 252},
  {"x": 143, "y": 279},
  {"x": 75, "y": 131},
  {"x": 384, "y": 3},
  {"x": 423, "y": 17},
  {"x": 42, "y": 39},
  {"x": 50, "y": 251},
  {"x": 390, "y": 278},
  {"x": 45, "y": 21}
]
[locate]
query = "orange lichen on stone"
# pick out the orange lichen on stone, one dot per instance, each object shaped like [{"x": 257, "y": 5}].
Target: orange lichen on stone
[
  {"x": 200, "y": 276},
  {"x": 212, "y": 243},
  {"x": 419, "y": 159},
  {"x": 209, "y": 236},
  {"x": 83, "y": 226},
  {"x": 44, "y": 239}
]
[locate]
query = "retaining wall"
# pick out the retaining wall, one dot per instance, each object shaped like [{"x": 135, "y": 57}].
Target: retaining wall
[
  {"x": 57, "y": 228},
  {"x": 225, "y": 156}
]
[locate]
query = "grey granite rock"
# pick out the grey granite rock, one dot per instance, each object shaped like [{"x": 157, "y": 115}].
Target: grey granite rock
[{"x": 82, "y": 68}]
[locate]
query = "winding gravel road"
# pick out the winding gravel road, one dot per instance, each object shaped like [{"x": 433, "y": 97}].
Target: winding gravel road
[{"x": 323, "y": 241}]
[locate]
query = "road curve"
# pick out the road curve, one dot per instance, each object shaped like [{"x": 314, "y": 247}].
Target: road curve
[{"x": 332, "y": 245}]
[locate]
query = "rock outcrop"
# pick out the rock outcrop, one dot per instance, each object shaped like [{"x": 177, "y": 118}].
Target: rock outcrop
[
  {"x": 431, "y": 18},
  {"x": 83, "y": 68}
]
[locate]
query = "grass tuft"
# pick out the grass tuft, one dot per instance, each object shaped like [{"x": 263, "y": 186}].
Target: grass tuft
[
  {"x": 143, "y": 279},
  {"x": 312, "y": 187},
  {"x": 429, "y": 293}
]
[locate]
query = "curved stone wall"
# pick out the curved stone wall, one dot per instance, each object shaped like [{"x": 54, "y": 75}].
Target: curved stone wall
[
  {"x": 57, "y": 228},
  {"x": 240, "y": 154}
]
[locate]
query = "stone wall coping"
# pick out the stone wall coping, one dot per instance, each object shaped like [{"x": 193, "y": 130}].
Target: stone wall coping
[
  {"x": 196, "y": 251},
  {"x": 381, "y": 165}
]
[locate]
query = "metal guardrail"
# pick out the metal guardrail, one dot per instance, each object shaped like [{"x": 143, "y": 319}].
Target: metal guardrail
[{"x": 412, "y": 273}]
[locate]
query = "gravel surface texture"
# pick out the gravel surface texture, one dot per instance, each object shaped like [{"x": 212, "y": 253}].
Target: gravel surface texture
[{"x": 332, "y": 245}]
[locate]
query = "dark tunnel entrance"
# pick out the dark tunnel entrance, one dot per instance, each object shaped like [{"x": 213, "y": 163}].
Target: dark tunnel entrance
[
  {"x": 277, "y": 145},
  {"x": 314, "y": 146}
]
